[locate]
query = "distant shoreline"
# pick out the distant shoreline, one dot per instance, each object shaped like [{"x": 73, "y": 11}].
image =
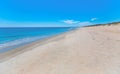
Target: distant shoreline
[{"x": 106, "y": 24}]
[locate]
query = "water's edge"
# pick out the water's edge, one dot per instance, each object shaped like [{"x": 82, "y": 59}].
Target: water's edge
[
  {"x": 21, "y": 42},
  {"x": 28, "y": 46}
]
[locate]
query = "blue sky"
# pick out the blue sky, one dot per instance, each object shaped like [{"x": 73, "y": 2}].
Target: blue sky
[{"x": 18, "y": 13}]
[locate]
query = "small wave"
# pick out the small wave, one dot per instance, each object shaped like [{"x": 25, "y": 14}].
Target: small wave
[{"x": 20, "y": 42}]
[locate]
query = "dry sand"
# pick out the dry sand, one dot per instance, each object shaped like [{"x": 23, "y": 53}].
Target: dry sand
[{"x": 88, "y": 50}]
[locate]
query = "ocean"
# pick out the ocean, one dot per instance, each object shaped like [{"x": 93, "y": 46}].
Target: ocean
[{"x": 11, "y": 38}]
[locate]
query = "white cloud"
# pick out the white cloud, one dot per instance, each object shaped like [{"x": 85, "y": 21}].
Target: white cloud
[
  {"x": 85, "y": 23},
  {"x": 78, "y": 23},
  {"x": 93, "y": 19},
  {"x": 70, "y": 21}
]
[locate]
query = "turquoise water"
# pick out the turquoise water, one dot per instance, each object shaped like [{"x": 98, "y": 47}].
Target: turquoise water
[{"x": 13, "y": 37}]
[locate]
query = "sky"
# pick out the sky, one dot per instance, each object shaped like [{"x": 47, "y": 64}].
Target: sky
[{"x": 57, "y": 13}]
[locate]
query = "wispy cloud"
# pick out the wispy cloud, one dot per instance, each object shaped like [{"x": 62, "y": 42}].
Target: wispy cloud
[
  {"x": 78, "y": 23},
  {"x": 93, "y": 19},
  {"x": 70, "y": 21},
  {"x": 85, "y": 23}
]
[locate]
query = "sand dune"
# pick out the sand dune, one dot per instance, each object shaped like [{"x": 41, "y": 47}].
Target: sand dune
[{"x": 88, "y": 50}]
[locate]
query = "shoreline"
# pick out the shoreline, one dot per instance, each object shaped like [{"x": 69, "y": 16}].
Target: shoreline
[
  {"x": 27, "y": 47},
  {"x": 87, "y": 50}
]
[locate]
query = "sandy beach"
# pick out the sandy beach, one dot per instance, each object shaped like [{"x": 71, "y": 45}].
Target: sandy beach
[{"x": 87, "y": 50}]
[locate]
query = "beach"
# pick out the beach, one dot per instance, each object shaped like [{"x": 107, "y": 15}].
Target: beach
[{"x": 87, "y": 50}]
